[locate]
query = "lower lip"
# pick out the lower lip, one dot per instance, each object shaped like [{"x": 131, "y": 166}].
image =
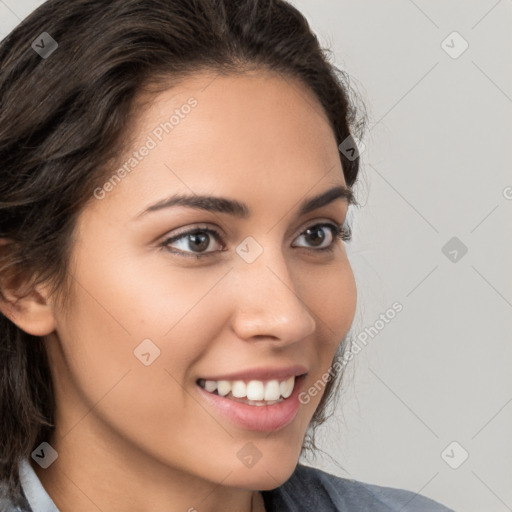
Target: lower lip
[{"x": 265, "y": 418}]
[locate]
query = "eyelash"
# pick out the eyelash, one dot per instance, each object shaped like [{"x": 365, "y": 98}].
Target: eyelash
[{"x": 341, "y": 232}]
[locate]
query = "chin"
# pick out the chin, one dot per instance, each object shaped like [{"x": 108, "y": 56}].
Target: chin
[{"x": 264, "y": 475}]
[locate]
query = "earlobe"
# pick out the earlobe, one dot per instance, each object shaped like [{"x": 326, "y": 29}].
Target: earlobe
[
  {"x": 32, "y": 312},
  {"x": 25, "y": 304}
]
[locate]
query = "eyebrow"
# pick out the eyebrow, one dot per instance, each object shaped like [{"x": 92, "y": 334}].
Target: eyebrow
[{"x": 241, "y": 210}]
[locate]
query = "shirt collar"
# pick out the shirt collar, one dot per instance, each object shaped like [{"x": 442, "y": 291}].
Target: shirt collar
[{"x": 37, "y": 497}]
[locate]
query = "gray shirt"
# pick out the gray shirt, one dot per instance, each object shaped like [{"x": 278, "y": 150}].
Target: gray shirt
[{"x": 308, "y": 489}]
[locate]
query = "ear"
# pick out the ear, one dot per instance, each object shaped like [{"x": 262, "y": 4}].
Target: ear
[{"x": 27, "y": 306}]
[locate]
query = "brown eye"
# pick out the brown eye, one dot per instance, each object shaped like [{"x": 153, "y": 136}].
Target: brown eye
[
  {"x": 316, "y": 236},
  {"x": 194, "y": 242}
]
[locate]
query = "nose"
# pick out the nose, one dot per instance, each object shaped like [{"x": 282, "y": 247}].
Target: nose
[{"x": 267, "y": 303}]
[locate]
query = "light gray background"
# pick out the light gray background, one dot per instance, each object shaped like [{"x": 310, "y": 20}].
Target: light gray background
[{"x": 436, "y": 165}]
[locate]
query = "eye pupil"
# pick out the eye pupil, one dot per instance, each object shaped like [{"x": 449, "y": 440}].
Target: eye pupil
[
  {"x": 200, "y": 238},
  {"x": 316, "y": 240}
]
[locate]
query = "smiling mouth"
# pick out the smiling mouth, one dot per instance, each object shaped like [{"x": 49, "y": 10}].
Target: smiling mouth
[{"x": 252, "y": 392}]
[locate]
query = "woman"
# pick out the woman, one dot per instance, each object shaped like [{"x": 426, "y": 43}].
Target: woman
[{"x": 174, "y": 280}]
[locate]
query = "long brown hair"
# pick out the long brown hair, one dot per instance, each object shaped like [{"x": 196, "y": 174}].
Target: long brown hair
[{"x": 63, "y": 121}]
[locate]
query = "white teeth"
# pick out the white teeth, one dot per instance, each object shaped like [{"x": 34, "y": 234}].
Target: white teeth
[
  {"x": 239, "y": 389},
  {"x": 286, "y": 387},
  {"x": 254, "y": 390},
  {"x": 210, "y": 385},
  {"x": 223, "y": 387},
  {"x": 272, "y": 390}
]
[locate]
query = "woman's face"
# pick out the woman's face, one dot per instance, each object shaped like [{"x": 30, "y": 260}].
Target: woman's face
[{"x": 152, "y": 313}]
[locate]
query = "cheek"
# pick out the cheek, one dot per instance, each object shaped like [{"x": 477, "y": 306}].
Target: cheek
[
  {"x": 137, "y": 297},
  {"x": 333, "y": 302},
  {"x": 102, "y": 375},
  {"x": 332, "y": 297},
  {"x": 116, "y": 306}
]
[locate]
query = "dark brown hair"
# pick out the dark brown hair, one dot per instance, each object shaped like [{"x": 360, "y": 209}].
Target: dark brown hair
[{"x": 63, "y": 122}]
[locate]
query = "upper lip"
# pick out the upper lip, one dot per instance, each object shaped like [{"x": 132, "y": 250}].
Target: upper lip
[{"x": 262, "y": 373}]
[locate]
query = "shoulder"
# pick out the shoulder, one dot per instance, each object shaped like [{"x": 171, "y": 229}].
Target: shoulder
[{"x": 313, "y": 489}]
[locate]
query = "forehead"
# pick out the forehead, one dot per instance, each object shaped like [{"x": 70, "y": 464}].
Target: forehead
[
  {"x": 259, "y": 114},
  {"x": 236, "y": 135}
]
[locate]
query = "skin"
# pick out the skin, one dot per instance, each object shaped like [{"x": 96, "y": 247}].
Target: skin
[{"x": 139, "y": 438}]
